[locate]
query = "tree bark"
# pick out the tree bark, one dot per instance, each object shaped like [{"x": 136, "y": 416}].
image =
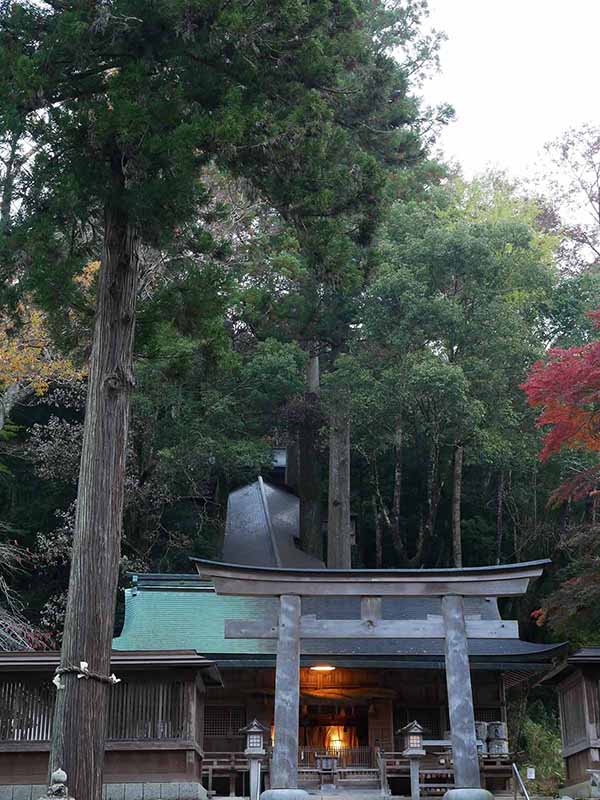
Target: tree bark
[
  {"x": 292, "y": 465},
  {"x": 434, "y": 492},
  {"x": 339, "y": 546},
  {"x": 378, "y": 539},
  {"x": 456, "y": 501},
  {"x": 80, "y": 721},
  {"x": 309, "y": 467},
  {"x": 397, "y": 497},
  {"x": 6, "y": 195},
  {"x": 499, "y": 518}
]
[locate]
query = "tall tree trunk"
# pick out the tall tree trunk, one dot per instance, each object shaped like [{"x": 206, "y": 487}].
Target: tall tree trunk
[
  {"x": 434, "y": 492},
  {"x": 6, "y": 195},
  {"x": 292, "y": 465},
  {"x": 397, "y": 497},
  {"x": 309, "y": 467},
  {"x": 378, "y": 539},
  {"x": 80, "y": 720},
  {"x": 456, "y": 501},
  {"x": 339, "y": 546},
  {"x": 499, "y": 518}
]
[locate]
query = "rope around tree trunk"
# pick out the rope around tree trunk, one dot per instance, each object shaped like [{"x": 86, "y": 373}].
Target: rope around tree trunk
[{"x": 82, "y": 671}]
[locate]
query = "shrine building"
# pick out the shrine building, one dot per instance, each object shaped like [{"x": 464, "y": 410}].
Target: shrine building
[{"x": 331, "y": 665}]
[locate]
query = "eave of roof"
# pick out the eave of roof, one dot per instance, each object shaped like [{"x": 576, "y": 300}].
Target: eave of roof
[
  {"x": 482, "y": 663},
  {"x": 43, "y": 661},
  {"x": 586, "y": 656}
]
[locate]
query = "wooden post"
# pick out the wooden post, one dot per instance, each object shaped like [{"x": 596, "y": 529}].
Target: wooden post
[
  {"x": 460, "y": 695},
  {"x": 254, "y": 778},
  {"x": 287, "y": 695}
]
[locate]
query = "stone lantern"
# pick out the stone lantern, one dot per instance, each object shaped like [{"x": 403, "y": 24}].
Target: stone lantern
[
  {"x": 414, "y": 751},
  {"x": 254, "y": 752},
  {"x": 58, "y": 786},
  {"x": 413, "y": 739}
]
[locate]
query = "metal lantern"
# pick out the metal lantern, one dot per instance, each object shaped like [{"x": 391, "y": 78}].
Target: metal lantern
[
  {"x": 255, "y": 737},
  {"x": 413, "y": 738}
]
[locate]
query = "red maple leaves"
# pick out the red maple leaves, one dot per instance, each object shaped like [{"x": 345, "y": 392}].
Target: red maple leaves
[{"x": 566, "y": 386}]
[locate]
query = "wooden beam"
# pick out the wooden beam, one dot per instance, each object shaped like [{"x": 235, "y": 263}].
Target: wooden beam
[
  {"x": 313, "y": 628},
  {"x": 352, "y": 587},
  {"x": 370, "y": 608},
  {"x": 499, "y": 581}
]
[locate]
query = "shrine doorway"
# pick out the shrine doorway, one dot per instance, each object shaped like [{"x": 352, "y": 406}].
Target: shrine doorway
[{"x": 334, "y": 727}]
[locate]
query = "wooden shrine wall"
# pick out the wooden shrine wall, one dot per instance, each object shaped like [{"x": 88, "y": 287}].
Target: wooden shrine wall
[
  {"x": 156, "y": 724},
  {"x": 393, "y": 697},
  {"x": 579, "y": 705}
]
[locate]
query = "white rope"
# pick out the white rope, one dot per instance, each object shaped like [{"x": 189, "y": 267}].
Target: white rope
[{"x": 82, "y": 671}]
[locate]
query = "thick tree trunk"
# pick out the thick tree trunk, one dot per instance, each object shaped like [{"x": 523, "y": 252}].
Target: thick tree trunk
[
  {"x": 309, "y": 467},
  {"x": 80, "y": 720},
  {"x": 397, "y": 497},
  {"x": 456, "y": 501},
  {"x": 292, "y": 465},
  {"x": 499, "y": 518},
  {"x": 378, "y": 538},
  {"x": 339, "y": 545}
]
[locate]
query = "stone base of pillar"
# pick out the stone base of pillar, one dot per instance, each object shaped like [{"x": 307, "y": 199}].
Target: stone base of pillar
[
  {"x": 286, "y": 794},
  {"x": 468, "y": 794}
]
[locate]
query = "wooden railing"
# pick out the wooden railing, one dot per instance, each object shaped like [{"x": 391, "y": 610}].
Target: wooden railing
[
  {"x": 383, "y": 778},
  {"x": 346, "y": 757},
  {"x": 223, "y": 761}
]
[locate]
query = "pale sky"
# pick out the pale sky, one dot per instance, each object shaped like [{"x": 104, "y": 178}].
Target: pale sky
[{"x": 518, "y": 73}]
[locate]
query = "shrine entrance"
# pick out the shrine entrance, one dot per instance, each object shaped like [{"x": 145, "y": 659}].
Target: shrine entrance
[
  {"x": 333, "y": 728},
  {"x": 292, "y": 627}
]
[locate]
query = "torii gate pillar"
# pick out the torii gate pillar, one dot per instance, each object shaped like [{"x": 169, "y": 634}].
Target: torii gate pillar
[
  {"x": 460, "y": 695},
  {"x": 284, "y": 770}
]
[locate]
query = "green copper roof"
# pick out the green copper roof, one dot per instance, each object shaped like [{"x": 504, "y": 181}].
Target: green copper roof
[
  {"x": 190, "y": 618},
  {"x": 182, "y": 612}
]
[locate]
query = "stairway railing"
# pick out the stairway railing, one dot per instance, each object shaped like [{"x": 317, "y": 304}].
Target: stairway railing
[
  {"x": 383, "y": 781},
  {"x": 518, "y": 784}
]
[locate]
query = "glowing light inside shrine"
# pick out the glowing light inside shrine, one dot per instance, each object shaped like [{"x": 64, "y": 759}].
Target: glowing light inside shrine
[{"x": 323, "y": 668}]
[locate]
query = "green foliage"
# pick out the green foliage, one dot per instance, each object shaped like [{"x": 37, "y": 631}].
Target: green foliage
[{"x": 541, "y": 747}]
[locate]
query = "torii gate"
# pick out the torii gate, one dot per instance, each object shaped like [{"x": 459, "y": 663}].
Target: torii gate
[{"x": 452, "y": 585}]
